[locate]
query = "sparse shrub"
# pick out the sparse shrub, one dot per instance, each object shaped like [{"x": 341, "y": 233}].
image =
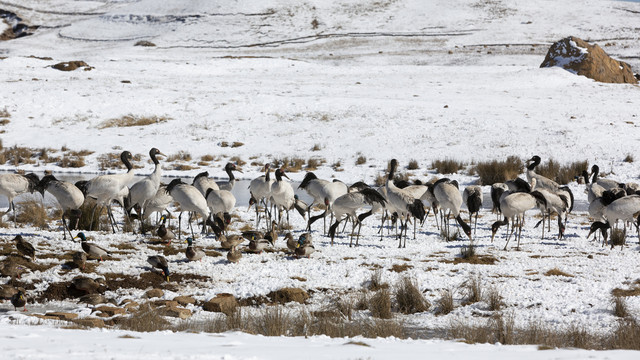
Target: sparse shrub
[
  {"x": 473, "y": 289},
  {"x": 361, "y": 160},
  {"x": 32, "y": 212},
  {"x": 413, "y": 165},
  {"x": 133, "y": 120},
  {"x": 503, "y": 328},
  {"x": 275, "y": 321},
  {"x": 293, "y": 164},
  {"x": 494, "y": 299},
  {"x": 409, "y": 299},
  {"x": 562, "y": 174},
  {"x": 238, "y": 160},
  {"x": 362, "y": 302},
  {"x": 69, "y": 161},
  {"x": 625, "y": 335},
  {"x": 444, "y": 304},
  {"x": 495, "y": 171},
  {"x": 84, "y": 223},
  {"x": 447, "y": 166},
  {"x": 628, "y": 158},
  {"x": 18, "y": 155},
  {"x": 380, "y": 304},
  {"x": 620, "y": 308},
  {"x": 376, "y": 282}
]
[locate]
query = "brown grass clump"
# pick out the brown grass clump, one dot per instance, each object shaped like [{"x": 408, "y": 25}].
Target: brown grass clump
[
  {"x": 4, "y": 113},
  {"x": 495, "y": 171},
  {"x": 557, "y": 272},
  {"x": 400, "y": 267},
  {"x": 314, "y": 163},
  {"x": 207, "y": 158},
  {"x": 413, "y": 165},
  {"x": 133, "y": 120},
  {"x": 380, "y": 304},
  {"x": 376, "y": 283},
  {"x": 444, "y": 304},
  {"x": 144, "y": 43},
  {"x": 4, "y": 122},
  {"x": 562, "y": 174},
  {"x": 337, "y": 166},
  {"x": 620, "y": 308},
  {"x": 32, "y": 212},
  {"x": 628, "y": 158},
  {"x": 494, "y": 299},
  {"x": 71, "y": 162},
  {"x": 179, "y": 156},
  {"x": 316, "y": 147},
  {"x": 361, "y": 160},
  {"x": 18, "y": 155},
  {"x": 617, "y": 237},
  {"x": 146, "y": 319},
  {"x": 409, "y": 298},
  {"x": 473, "y": 289},
  {"x": 236, "y": 144},
  {"x": 238, "y": 160},
  {"x": 448, "y": 166}
]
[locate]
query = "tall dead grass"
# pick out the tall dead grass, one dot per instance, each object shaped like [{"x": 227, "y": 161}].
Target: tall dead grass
[
  {"x": 494, "y": 171},
  {"x": 562, "y": 174},
  {"x": 132, "y": 120},
  {"x": 409, "y": 298}
]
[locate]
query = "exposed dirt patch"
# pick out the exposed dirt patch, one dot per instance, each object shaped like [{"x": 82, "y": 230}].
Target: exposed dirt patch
[
  {"x": 557, "y": 272},
  {"x": 151, "y": 280},
  {"x": 286, "y": 295},
  {"x": 626, "y": 292},
  {"x": 166, "y": 250},
  {"x": 33, "y": 266},
  {"x": 400, "y": 268},
  {"x": 255, "y": 301},
  {"x": 476, "y": 259}
]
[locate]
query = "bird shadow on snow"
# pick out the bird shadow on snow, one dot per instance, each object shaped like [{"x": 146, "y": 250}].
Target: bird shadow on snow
[
  {"x": 344, "y": 241},
  {"x": 25, "y": 234}
]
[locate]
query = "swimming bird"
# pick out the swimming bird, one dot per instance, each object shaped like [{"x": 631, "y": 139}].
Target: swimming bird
[
  {"x": 160, "y": 262},
  {"x": 69, "y": 197},
  {"x": 92, "y": 249},
  {"x": 25, "y": 248},
  {"x": 193, "y": 253}
]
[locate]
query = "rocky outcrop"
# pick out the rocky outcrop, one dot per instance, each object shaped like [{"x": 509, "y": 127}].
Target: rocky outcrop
[{"x": 579, "y": 57}]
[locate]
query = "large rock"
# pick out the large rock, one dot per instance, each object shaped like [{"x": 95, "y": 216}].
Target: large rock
[
  {"x": 224, "y": 303},
  {"x": 286, "y": 295},
  {"x": 579, "y": 57}
]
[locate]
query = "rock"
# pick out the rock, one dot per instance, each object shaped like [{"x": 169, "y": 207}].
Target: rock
[
  {"x": 131, "y": 306},
  {"x": 110, "y": 310},
  {"x": 224, "y": 303},
  {"x": 71, "y": 65},
  {"x": 579, "y": 57},
  {"x": 153, "y": 293},
  {"x": 176, "y": 312},
  {"x": 90, "y": 322},
  {"x": 62, "y": 315},
  {"x": 167, "y": 303},
  {"x": 286, "y": 295},
  {"x": 184, "y": 300}
]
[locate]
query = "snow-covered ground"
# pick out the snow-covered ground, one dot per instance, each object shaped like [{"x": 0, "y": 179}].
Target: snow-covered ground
[{"x": 401, "y": 79}]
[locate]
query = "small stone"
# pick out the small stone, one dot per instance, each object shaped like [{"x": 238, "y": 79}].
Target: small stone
[
  {"x": 131, "y": 306},
  {"x": 62, "y": 315},
  {"x": 153, "y": 293},
  {"x": 90, "y": 322},
  {"x": 184, "y": 300},
  {"x": 111, "y": 310},
  {"x": 224, "y": 303},
  {"x": 176, "y": 312},
  {"x": 167, "y": 303}
]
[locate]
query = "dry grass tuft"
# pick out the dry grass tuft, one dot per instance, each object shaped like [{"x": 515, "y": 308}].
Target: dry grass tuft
[
  {"x": 314, "y": 163},
  {"x": 316, "y": 147},
  {"x": 409, "y": 298},
  {"x": 376, "y": 283},
  {"x": 473, "y": 289},
  {"x": 444, "y": 304},
  {"x": 617, "y": 237},
  {"x": 238, "y": 160},
  {"x": 448, "y": 166},
  {"x": 133, "y": 120},
  {"x": 18, "y": 155},
  {"x": 145, "y": 319},
  {"x": 494, "y": 299},
  {"x": 557, "y": 272},
  {"x": 562, "y": 174},
  {"x": 4, "y": 113},
  {"x": 179, "y": 156},
  {"x": 361, "y": 160},
  {"x": 495, "y": 171},
  {"x": 207, "y": 158},
  {"x": 413, "y": 165},
  {"x": 32, "y": 212},
  {"x": 236, "y": 144},
  {"x": 620, "y": 308},
  {"x": 144, "y": 43},
  {"x": 380, "y": 304},
  {"x": 400, "y": 267},
  {"x": 628, "y": 158}
]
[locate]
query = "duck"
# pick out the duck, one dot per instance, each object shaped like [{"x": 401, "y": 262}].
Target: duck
[
  {"x": 92, "y": 299},
  {"x": 19, "y": 299},
  {"x": 11, "y": 269},
  {"x": 160, "y": 262},
  {"x": 305, "y": 238},
  {"x": 193, "y": 253},
  {"x": 272, "y": 235},
  {"x": 304, "y": 249},
  {"x": 25, "y": 248},
  {"x": 164, "y": 233},
  {"x": 91, "y": 249},
  {"x": 291, "y": 242},
  {"x": 7, "y": 291},
  {"x": 258, "y": 245},
  {"x": 80, "y": 259},
  {"x": 88, "y": 285},
  {"x": 253, "y": 234},
  {"x": 234, "y": 255},
  {"x": 227, "y": 242}
]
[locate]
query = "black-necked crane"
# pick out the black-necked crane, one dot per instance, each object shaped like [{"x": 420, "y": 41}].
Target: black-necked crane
[
  {"x": 555, "y": 202},
  {"x": 260, "y": 189},
  {"x": 189, "y": 199},
  {"x": 375, "y": 207},
  {"x": 203, "y": 182},
  {"x": 144, "y": 190},
  {"x": 450, "y": 200},
  {"x": 593, "y": 190},
  {"x": 69, "y": 197},
  {"x": 347, "y": 205},
  {"x": 282, "y": 195},
  {"x": 497, "y": 189},
  {"x": 402, "y": 203},
  {"x": 624, "y": 208},
  {"x": 322, "y": 191},
  {"x": 159, "y": 202},
  {"x": 106, "y": 188},
  {"x": 220, "y": 201},
  {"x": 542, "y": 181},
  {"x": 607, "y": 184},
  {"x": 472, "y": 197},
  {"x": 12, "y": 185},
  {"x": 513, "y": 207},
  {"x": 229, "y": 168}
]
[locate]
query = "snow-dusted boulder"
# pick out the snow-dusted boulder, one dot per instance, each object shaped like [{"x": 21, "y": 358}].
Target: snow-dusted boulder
[{"x": 579, "y": 57}]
